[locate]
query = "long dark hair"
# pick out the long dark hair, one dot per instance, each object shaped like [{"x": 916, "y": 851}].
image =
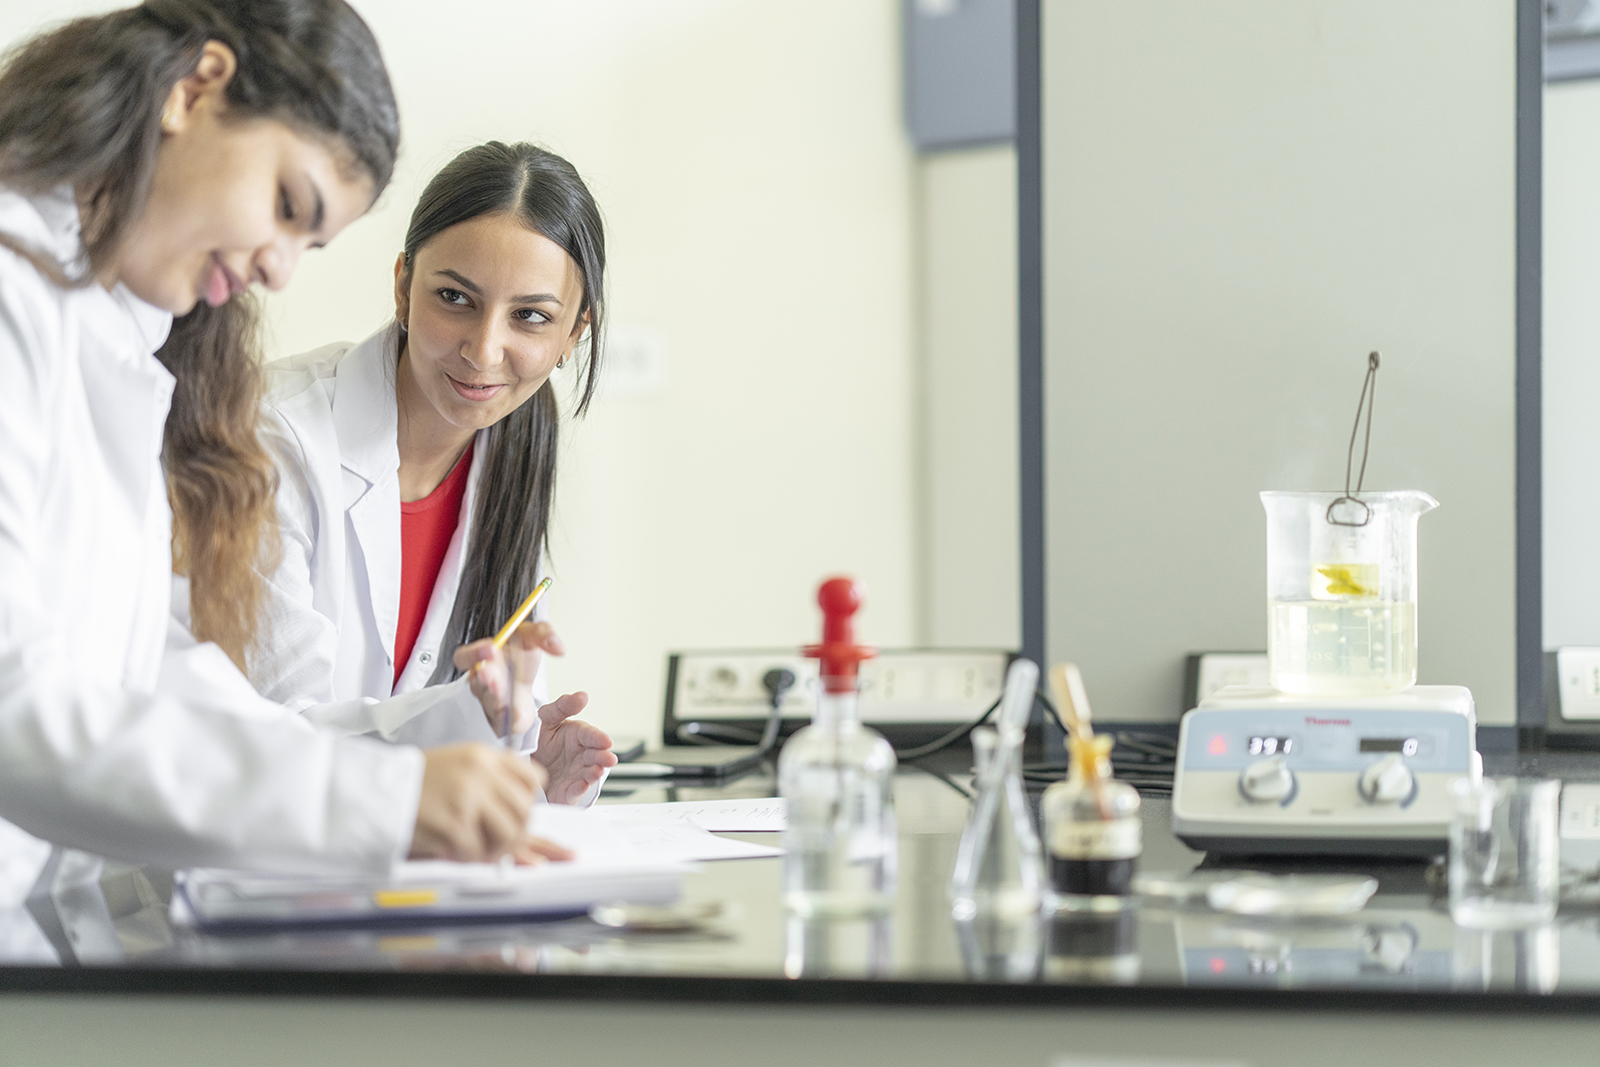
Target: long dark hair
[
  {"x": 511, "y": 523},
  {"x": 80, "y": 107}
]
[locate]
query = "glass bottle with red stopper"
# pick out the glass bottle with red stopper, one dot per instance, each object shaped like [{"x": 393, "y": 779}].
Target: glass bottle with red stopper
[{"x": 837, "y": 777}]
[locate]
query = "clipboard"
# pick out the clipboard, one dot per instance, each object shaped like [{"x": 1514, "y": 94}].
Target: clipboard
[{"x": 432, "y": 892}]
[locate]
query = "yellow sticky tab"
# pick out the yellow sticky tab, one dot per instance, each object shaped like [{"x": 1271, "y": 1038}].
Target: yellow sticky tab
[
  {"x": 408, "y": 944},
  {"x": 405, "y": 898}
]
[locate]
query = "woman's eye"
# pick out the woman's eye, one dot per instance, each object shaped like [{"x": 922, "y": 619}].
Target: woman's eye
[
  {"x": 531, "y": 315},
  {"x": 285, "y": 205},
  {"x": 452, "y": 296}
]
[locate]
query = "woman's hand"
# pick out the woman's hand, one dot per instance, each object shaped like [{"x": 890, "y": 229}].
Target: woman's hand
[
  {"x": 474, "y": 807},
  {"x": 502, "y": 678},
  {"x": 574, "y": 754}
]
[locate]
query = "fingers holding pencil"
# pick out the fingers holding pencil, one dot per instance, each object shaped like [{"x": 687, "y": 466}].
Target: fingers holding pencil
[{"x": 500, "y": 670}]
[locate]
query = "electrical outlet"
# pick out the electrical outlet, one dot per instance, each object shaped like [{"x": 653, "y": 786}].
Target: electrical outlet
[
  {"x": 897, "y": 685},
  {"x": 1579, "y": 672}
]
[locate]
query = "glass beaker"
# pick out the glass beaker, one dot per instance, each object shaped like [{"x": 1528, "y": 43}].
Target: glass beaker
[
  {"x": 1342, "y": 591},
  {"x": 1505, "y": 852}
]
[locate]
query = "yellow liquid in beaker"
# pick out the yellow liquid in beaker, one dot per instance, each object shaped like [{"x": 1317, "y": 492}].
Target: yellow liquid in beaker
[{"x": 1348, "y": 646}]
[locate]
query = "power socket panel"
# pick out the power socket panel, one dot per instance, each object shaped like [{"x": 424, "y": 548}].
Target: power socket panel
[
  {"x": 1578, "y": 671},
  {"x": 898, "y": 686}
]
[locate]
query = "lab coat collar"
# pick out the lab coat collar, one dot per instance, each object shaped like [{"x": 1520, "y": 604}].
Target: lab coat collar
[
  {"x": 365, "y": 416},
  {"x": 125, "y": 387},
  {"x": 48, "y": 223},
  {"x": 367, "y": 421}
]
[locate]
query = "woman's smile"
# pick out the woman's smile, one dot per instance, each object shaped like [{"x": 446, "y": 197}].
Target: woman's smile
[
  {"x": 477, "y": 392},
  {"x": 220, "y": 282}
]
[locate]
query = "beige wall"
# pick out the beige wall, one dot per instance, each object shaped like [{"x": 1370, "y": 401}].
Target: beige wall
[
  {"x": 760, "y": 194},
  {"x": 1242, "y": 198}
]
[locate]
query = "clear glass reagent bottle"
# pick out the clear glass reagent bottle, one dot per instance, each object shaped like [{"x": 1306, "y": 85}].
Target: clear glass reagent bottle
[
  {"x": 839, "y": 846},
  {"x": 1092, "y": 831}
]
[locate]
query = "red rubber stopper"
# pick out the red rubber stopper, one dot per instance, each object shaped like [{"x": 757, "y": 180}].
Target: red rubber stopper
[{"x": 840, "y": 599}]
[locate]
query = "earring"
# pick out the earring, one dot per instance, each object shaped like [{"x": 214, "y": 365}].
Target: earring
[
  {"x": 562, "y": 362},
  {"x": 166, "y": 121}
]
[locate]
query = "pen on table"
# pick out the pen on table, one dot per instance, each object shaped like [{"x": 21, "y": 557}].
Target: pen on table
[{"x": 504, "y": 635}]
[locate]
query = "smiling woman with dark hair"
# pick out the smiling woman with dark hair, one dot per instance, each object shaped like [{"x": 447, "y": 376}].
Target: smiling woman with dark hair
[{"x": 418, "y": 468}]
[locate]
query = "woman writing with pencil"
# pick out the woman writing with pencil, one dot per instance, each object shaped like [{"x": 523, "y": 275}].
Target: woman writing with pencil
[
  {"x": 154, "y": 163},
  {"x": 417, "y": 470}
]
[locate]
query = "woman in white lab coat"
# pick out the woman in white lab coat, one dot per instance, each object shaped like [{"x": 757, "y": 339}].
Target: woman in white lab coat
[
  {"x": 153, "y": 161},
  {"x": 417, "y": 468}
]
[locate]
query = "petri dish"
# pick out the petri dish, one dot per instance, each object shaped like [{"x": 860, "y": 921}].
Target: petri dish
[{"x": 1293, "y": 895}]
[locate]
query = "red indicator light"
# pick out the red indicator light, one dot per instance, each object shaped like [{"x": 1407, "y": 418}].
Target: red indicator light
[
  {"x": 1219, "y": 746},
  {"x": 1218, "y": 965}
]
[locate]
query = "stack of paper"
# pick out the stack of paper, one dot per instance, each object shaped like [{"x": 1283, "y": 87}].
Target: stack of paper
[{"x": 635, "y": 856}]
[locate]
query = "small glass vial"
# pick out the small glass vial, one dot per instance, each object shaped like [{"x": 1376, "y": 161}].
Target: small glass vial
[
  {"x": 1093, "y": 833},
  {"x": 838, "y": 779}
]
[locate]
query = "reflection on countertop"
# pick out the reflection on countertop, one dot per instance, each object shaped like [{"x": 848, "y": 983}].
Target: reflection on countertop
[{"x": 110, "y": 915}]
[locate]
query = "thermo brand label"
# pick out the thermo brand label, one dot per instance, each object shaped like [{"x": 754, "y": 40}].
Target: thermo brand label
[{"x": 1119, "y": 839}]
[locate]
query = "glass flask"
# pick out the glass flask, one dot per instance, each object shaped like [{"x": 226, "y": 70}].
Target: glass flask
[
  {"x": 998, "y": 869},
  {"x": 837, "y": 777},
  {"x": 1342, "y": 591},
  {"x": 1092, "y": 831},
  {"x": 995, "y": 949}
]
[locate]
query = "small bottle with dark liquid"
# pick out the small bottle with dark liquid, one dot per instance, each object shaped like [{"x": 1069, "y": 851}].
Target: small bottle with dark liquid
[{"x": 1093, "y": 834}]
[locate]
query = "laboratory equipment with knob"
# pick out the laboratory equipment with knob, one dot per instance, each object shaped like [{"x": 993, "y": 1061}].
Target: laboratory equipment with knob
[
  {"x": 1268, "y": 772},
  {"x": 1345, "y": 754}
]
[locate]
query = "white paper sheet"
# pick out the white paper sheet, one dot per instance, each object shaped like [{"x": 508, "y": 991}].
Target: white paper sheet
[
  {"x": 742, "y": 816},
  {"x": 638, "y": 832}
]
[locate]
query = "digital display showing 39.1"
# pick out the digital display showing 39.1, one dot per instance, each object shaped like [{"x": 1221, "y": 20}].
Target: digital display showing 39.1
[{"x": 1271, "y": 746}]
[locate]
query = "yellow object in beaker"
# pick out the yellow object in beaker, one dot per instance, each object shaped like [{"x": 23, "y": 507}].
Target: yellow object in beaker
[{"x": 1342, "y": 581}]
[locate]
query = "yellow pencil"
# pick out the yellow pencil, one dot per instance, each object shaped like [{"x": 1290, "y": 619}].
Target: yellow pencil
[
  {"x": 521, "y": 613},
  {"x": 504, "y": 635}
]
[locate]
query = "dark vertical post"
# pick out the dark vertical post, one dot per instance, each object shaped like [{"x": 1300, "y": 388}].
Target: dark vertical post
[
  {"x": 1030, "y": 335},
  {"x": 1530, "y": 265}
]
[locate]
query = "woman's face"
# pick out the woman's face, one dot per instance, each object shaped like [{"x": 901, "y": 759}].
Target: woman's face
[
  {"x": 232, "y": 202},
  {"x": 489, "y": 307}
]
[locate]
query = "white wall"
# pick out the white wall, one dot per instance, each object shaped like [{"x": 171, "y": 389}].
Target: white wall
[
  {"x": 1242, "y": 198},
  {"x": 1572, "y": 364},
  {"x": 759, "y": 192}
]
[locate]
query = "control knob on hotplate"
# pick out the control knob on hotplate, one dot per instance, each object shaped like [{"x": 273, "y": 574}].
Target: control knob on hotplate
[
  {"x": 1267, "y": 780},
  {"x": 1388, "y": 781}
]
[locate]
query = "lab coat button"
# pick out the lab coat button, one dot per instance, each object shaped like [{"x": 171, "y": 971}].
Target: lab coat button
[{"x": 426, "y": 657}]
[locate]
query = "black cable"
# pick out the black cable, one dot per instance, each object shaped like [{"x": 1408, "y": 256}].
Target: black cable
[
  {"x": 942, "y": 743},
  {"x": 1144, "y": 760},
  {"x": 777, "y": 682},
  {"x": 715, "y": 733},
  {"x": 947, "y": 780}
]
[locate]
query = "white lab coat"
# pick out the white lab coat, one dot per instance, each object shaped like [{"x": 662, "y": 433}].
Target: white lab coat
[
  {"x": 335, "y": 598},
  {"x": 119, "y": 734}
]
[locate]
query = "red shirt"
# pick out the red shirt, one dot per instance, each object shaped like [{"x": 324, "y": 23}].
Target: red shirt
[{"x": 426, "y": 527}]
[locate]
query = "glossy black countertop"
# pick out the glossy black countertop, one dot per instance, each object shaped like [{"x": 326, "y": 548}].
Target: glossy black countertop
[{"x": 111, "y": 934}]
